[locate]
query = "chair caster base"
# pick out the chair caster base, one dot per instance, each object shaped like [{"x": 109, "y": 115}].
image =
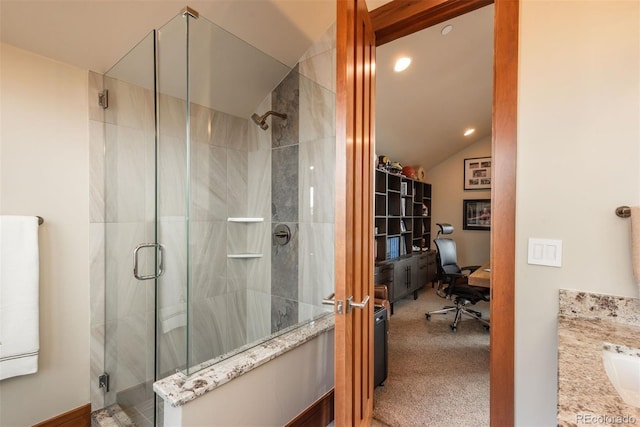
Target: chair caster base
[
  {"x": 428, "y": 316},
  {"x": 486, "y": 328},
  {"x": 454, "y": 328}
]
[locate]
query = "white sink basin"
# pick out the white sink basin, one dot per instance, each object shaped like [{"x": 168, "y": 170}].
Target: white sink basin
[{"x": 622, "y": 365}]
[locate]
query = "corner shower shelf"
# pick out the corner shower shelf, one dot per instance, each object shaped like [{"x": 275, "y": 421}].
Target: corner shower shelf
[
  {"x": 245, "y": 219},
  {"x": 245, "y": 256}
]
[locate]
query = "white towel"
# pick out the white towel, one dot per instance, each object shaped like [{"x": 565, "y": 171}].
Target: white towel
[
  {"x": 635, "y": 242},
  {"x": 19, "y": 339}
]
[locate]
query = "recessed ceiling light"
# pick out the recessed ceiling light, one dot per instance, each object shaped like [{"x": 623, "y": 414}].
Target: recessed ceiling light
[
  {"x": 402, "y": 64},
  {"x": 469, "y": 131},
  {"x": 446, "y": 30}
]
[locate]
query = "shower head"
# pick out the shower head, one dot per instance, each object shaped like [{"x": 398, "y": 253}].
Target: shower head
[{"x": 262, "y": 120}]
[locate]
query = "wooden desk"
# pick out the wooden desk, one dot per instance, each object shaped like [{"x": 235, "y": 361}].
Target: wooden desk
[{"x": 481, "y": 277}]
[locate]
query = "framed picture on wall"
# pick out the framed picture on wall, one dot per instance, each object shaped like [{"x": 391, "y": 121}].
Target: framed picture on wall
[
  {"x": 477, "y": 173},
  {"x": 476, "y": 214}
]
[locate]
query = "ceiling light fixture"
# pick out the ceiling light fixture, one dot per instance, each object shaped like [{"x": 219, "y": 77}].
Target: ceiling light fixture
[
  {"x": 446, "y": 30},
  {"x": 469, "y": 131},
  {"x": 402, "y": 64}
]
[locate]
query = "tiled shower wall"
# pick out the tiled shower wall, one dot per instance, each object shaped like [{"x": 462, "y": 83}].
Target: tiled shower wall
[
  {"x": 231, "y": 161},
  {"x": 303, "y": 181}
]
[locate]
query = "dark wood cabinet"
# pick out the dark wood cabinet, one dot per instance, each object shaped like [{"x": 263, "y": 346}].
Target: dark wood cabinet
[
  {"x": 405, "y": 278},
  {"x": 402, "y": 223}
]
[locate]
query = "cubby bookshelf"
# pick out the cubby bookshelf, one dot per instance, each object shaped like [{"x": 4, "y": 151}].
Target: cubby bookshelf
[{"x": 400, "y": 221}]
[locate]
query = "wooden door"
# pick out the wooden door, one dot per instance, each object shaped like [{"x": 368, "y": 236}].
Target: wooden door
[{"x": 354, "y": 214}]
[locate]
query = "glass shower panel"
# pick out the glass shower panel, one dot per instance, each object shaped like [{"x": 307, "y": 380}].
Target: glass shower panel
[
  {"x": 230, "y": 300},
  {"x": 172, "y": 195},
  {"x": 130, "y": 220}
]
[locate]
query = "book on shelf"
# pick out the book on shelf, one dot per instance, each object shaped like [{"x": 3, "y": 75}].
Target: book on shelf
[
  {"x": 403, "y": 227},
  {"x": 393, "y": 247},
  {"x": 403, "y": 207}
]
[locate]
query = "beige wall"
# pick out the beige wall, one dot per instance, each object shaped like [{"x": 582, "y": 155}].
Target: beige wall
[
  {"x": 578, "y": 159},
  {"x": 276, "y": 392},
  {"x": 44, "y": 170},
  {"x": 447, "y": 195}
]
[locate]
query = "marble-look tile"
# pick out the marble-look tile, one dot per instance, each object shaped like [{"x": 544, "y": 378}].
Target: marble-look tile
[
  {"x": 97, "y": 366},
  {"x": 219, "y": 128},
  {"x": 327, "y": 41},
  {"x": 208, "y": 258},
  {"x": 284, "y": 313},
  {"x": 124, "y": 294},
  {"x": 179, "y": 389},
  {"x": 317, "y": 181},
  {"x": 258, "y": 315},
  {"x": 172, "y": 116},
  {"x": 237, "y": 274},
  {"x": 308, "y": 312},
  {"x": 237, "y": 129},
  {"x": 172, "y": 285},
  {"x": 96, "y": 171},
  {"x": 237, "y": 320},
  {"x": 316, "y": 259},
  {"x": 259, "y": 184},
  {"x": 208, "y": 175},
  {"x": 259, "y": 269},
  {"x": 317, "y": 111},
  {"x": 284, "y": 184},
  {"x": 96, "y": 85},
  {"x": 172, "y": 175},
  {"x": 129, "y": 105},
  {"x": 286, "y": 100},
  {"x": 132, "y": 396},
  {"x": 208, "y": 322},
  {"x": 172, "y": 351},
  {"x": 625, "y": 310},
  {"x": 97, "y": 272},
  {"x": 201, "y": 124},
  {"x": 237, "y": 165},
  {"x": 237, "y": 233},
  {"x": 111, "y": 358},
  {"x": 321, "y": 69},
  {"x": 125, "y": 153},
  {"x": 150, "y": 349},
  {"x": 284, "y": 266},
  {"x": 132, "y": 360}
]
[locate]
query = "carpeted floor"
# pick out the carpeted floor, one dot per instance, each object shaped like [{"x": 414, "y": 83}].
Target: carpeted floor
[{"x": 436, "y": 377}]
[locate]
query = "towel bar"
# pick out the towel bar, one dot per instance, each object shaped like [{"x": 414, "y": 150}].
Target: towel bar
[{"x": 623, "y": 211}]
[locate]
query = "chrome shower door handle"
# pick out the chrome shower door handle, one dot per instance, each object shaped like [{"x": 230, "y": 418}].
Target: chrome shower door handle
[{"x": 159, "y": 270}]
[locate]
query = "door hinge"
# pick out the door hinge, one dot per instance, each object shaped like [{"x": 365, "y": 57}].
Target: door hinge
[
  {"x": 103, "y": 381},
  {"x": 103, "y": 99}
]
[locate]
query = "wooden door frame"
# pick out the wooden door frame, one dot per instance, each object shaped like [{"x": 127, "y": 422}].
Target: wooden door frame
[
  {"x": 355, "y": 87},
  {"x": 403, "y": 17}
]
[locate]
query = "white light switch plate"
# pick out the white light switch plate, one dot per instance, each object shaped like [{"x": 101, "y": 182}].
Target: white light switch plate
[{"x": 545, "y": 252}]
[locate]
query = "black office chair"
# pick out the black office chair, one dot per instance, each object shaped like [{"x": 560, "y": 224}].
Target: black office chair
[{"x": 454, "y": 280}]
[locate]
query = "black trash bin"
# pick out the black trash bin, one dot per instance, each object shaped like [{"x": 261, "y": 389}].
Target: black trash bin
[{"x": 380, "y": 342}]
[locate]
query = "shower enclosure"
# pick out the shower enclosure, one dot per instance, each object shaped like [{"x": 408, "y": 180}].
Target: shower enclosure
[{"x": 219, "y": 203}]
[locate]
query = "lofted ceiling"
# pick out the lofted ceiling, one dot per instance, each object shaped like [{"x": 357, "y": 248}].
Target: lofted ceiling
[{"x": 420, "y": 114}]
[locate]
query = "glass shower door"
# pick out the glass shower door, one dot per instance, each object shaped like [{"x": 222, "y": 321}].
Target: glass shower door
[{"x": 130, "y": 212}]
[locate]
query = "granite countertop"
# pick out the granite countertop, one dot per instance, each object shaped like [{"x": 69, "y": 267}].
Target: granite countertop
[
  {"x": 179, "y": 388},
  {"x": 585, "y": 394}
]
